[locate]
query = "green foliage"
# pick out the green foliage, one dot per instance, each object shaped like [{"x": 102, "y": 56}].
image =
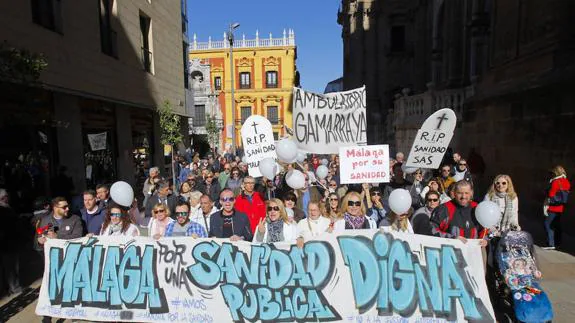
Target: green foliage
[
  {"x": 213, "y": 132},
  {"x": 20, "y": 65},
  {"x": 170, "y": 124}
]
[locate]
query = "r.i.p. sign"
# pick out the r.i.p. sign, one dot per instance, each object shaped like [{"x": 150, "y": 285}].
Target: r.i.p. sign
[{"x": 432, "y": 140}]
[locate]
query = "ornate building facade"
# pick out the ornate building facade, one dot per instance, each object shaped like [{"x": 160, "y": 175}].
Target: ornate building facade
[{"x": 264, "y": 73}]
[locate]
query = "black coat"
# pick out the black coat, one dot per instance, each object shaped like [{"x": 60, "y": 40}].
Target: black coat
[
  {"x": 154, "y": 199},
  {"x": 241, "y": 225}
]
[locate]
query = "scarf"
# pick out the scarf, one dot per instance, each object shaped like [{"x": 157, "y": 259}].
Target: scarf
[
  {"x": 114, "y": 229},
  {"x": 275, "y": 231},
  {"x": 354, "y": 222},
  {"x": 558, "y": 177},
  {"x": 507, "y": 212}
]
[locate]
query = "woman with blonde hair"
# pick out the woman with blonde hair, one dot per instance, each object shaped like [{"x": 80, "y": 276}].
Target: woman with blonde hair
[
  {"x": 159, "y": 222},
  {"x": 354, "y": 213},
  {"x": 503, "y": 194},
  {"x": 275, "y": 227},
  {"x": 554, "y": 206},
  {"x": 398, "y": 222}
]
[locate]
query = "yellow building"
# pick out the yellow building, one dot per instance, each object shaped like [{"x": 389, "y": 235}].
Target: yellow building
[{"x": 264, "y": 74}]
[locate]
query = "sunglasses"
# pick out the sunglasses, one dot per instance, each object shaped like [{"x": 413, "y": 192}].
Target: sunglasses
[
  {"x": 375, "y": 193},
  {"x": 432, "y": 200},
  {"x": 64, "y": 207},
  {"x": 159, "y": 211},
  {"x": 273, "y": 208},
  {"x": 334, "y": 199},
  {"x": 445, "y": 170},
  {"x": 290, "y": 199},
  {"x": 227, "y": 199},
  {"x": 418, "y": 173},
  {"x": 501, "y": 183},
  {"x": 117, "y": 215},
  {"x": 462, "y": 164},
  {"x": 181, "y": 214},
  {"x": 353, "y": 203}
]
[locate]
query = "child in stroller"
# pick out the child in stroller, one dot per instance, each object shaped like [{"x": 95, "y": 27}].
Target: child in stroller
[{"x": 518, "y": 278}]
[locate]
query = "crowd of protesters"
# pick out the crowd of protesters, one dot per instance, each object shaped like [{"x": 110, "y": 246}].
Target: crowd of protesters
[{"x": 216, "y": 197}]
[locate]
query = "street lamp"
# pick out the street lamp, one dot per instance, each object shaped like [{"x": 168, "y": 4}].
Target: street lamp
[{"x": 231, "y": 40}]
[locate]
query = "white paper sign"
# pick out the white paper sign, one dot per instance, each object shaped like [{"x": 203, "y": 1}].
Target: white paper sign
[
  {"x": 364, "y": 164},
  {"x": 97, "y": 141},
  {"x": 258, "y": 140},
  {"x": 324, "y": 122},
  {"x": 350, "y": 276},
  {"x": 432, "y": 140}
]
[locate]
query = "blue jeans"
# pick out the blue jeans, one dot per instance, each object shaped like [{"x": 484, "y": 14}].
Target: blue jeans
[{"x": 552, "y": 226}]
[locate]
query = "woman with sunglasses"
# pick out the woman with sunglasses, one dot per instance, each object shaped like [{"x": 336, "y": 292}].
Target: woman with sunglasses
[
  {"x": 503, "y": 194},
  {"x": 416, "y": 188},
  {"x": 420, "y": 219},
  {"x": 117, "y": 223},
  {"x": 354, "y": 213},
  {"x": 330, "y": 208},
  {"x": 290, "y": 202},
  {"x": 377, "y": 211},
  {"x": 275, "y": 227},
  {"x": 235, "y": 181},
  {"x": 159, "y": 222},
  {"x": 434, "y": 185}
]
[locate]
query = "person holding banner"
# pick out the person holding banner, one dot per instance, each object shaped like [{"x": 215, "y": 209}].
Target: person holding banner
[
  {"x": 456, "y": 219},
  {"x": 228, "y": 222},
  {"x": 420, "y": 219},
  {"x": 275, "y": 227},
  {"x": 160, "y": 220},
  {"x": 117, "y": 223},
  {"x": 316, "y": 224},
  {"x": 354, "y": 213},
  {"x": 183, "y": 227},
  {"x": 397, "y": 222}
]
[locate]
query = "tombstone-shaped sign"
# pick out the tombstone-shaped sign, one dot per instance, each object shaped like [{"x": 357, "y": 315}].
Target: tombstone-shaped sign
[
  {"x": 258, "y": 140},
  {"x": 432, "y": 140}
]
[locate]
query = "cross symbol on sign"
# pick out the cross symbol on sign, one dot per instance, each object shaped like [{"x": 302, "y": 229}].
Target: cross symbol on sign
[
  {"x": 441, "y": 119},
  {"x": 255, "y": 127}
]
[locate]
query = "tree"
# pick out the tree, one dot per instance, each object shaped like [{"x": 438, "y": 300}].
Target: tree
[
  {"x": 213, "y": 133},
  {"x": 171, "y": 131},
  {"x": 20, "y": 65}
]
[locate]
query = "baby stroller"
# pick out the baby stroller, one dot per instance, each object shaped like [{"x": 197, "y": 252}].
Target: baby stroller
[{"x": 517, "y": 280}]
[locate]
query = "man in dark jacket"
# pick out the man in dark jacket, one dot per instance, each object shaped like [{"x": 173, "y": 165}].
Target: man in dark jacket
[
  {"x": 60, "y": 223},
  {"x": 9, "y": 245},
  {"x": 92, "y": 214},
  {"x": 229, "y": 223},
  {"x": 162, "y": 196}
]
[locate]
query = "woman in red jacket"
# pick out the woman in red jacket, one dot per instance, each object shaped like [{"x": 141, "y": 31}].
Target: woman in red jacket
[{"x": 557, "y": 197}]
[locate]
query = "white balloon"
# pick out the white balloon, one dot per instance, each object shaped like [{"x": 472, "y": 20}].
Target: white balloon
[
  {"x": 301, "y": 156},
  {"x": 268, "y": 167},
  {"x": 324, "y": 162},
  {"x": 244, "y": 160},
  {"x": 487, "y": 214},
  {"x": 122, "y": 193},
  {"x": 321, "y": 171},
  {"x": 286, "y": 150},
  {"x": 295, "y": 179},
  {"x": 408, "y": 170},
  {"x": 399, "y": 201}
]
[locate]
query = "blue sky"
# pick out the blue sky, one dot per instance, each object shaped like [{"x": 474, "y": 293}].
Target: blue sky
[{"x": 318, "y": 36}]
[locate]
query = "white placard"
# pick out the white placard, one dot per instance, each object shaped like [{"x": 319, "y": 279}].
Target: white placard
[
  {"x": 364, "y": 164},
  {"x": 351, "y": 276},
  {"x": 432, "y": 140},
  {"x": 97, "y": 141},
  {"x": 324, "y": 122},
  {"x": 258, "y": 140}
]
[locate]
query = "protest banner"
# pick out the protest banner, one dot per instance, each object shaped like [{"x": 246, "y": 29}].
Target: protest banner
[
  {"x": 258, "y": 139},
  {"x": 324, "y": 122},
  {"x": 432, "y": 140},
  {"x": 97, "y": 141},
  {"x": 364, "y": 164},
  {"x": 355, "y": 275}
]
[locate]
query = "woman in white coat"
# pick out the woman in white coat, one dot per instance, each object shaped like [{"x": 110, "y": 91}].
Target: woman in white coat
[{"x": 276, "y": 227}]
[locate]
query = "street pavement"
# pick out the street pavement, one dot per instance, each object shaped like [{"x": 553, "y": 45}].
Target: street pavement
[{"x": 558, "y": 268}]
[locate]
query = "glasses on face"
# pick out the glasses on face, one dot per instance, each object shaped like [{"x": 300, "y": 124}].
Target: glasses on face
[
  {"x": 182, "y": 214},
  {"x": 432, "y": 200},
  {"x": 226, "y": 169},
  {"x": 462, "y": 164},
  {"x": 353, "y": 203},
  {"x": 227, "y": 199},
  {"x": 209, "y": 177},
  {"x": 501, "y": 183},
  {"x": 273, "y": 208},
  {"x": 418, "y": 173},
  {"x": 235, "y": 173},
  {"x": 375, "y": 193},
  {"x": 445, "y": 170},
  {"x": 159, "y": 211},
  {"x": 333, "y": 199},
  {"x": 289, "y": 199},
  {"x": 117, "y": 215},
  {"x": 64, "y": 207}
]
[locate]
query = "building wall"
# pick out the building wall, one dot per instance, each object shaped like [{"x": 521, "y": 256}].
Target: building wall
[
  {"x": 76, "y": 63},
  {"x": 256, "y": 61}
]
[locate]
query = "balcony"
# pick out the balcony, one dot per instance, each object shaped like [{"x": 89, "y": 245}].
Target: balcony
[{"x": 288, "y": 39}]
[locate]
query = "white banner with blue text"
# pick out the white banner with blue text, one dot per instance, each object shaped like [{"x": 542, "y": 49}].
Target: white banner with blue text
[
  {"x": 359, "y": 275},
  {"x": 324, "y": 122}
]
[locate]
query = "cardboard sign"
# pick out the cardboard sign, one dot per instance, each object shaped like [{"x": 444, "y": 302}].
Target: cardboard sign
[
  {"x": 324, "y": 122},
  {"x": 364, "y": 164},
  {"x": 352, "y": 276},
  {"x": 432, "y": 140},
  {"x": 97, "y": 141},
  {"x": 258, "y": 140}
]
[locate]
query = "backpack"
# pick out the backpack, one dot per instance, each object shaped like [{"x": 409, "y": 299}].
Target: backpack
[{"x": 561, "y": 197}]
